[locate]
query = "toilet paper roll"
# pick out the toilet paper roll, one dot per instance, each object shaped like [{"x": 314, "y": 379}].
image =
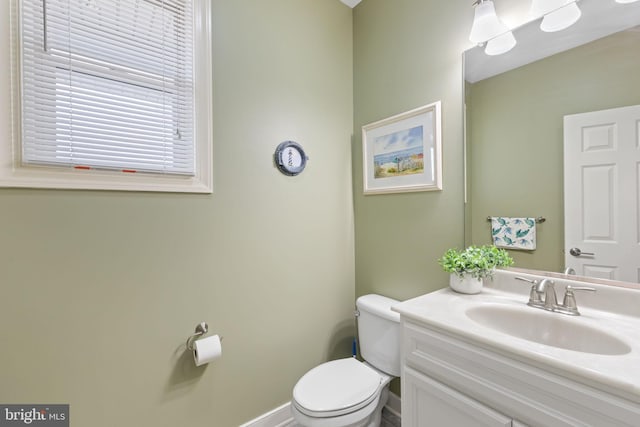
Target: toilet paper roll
[{"x": 206, "y": 350}]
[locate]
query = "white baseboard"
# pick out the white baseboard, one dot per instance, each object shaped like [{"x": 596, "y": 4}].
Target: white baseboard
[
  {"x": 394, "y": 404},
  {"x": 281, "y": 416}
]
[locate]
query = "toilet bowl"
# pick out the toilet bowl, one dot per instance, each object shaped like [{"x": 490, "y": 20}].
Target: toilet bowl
[
  {"x": 348, "y": 392},
  {"x": 340, "y": 393}
]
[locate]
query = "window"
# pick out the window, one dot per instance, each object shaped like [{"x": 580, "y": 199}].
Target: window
[{"x": 108, "y": 97}]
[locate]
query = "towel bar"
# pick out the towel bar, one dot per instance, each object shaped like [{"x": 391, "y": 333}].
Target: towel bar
[{"x": 539, "y": 219}]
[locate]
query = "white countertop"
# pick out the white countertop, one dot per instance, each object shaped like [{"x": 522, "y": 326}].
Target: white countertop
[{"x": 615, "y": 311}]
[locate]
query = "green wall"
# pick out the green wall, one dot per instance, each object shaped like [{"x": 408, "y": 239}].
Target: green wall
[
  {"x": 100, "y": 290},
  {"x": 515, "y": 125},
  {"x": 408, "y": 53}
]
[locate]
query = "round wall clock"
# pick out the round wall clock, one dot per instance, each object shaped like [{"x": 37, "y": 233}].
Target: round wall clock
[{"x": 290, "y": 158}]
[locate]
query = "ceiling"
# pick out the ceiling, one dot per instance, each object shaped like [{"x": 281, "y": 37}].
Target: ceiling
[{"x": 351, "y": 3}]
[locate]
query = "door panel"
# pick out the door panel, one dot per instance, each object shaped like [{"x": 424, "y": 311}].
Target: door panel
[{"x": 435, "y": 404}]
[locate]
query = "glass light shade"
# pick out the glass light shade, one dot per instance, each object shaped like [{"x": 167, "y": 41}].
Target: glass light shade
[
  {"x": 486, "y": 24},
  {"x": 542, "y": 7},
  {"x": 561, "y": 18},
  {"x": 501, "y": 44}
]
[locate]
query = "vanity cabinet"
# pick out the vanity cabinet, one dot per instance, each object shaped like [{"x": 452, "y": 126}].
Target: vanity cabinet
[
  {"x": 427, "y": 399},
  {"x": 450, "y": 380}
]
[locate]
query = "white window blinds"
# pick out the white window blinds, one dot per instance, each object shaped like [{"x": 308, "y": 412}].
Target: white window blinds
[{"x": 108, "y": 84}]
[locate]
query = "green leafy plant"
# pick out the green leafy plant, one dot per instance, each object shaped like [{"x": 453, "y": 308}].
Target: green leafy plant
[{"x": 476, "y": 261}]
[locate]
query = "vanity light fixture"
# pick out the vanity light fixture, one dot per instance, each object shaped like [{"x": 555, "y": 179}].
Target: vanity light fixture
[
  {"x": 487, "y": 28},
  {"x": 486, "y": 24},
  {"x": 626, "y": 1},
  {"x": 557, "y": 14},
  {"x": 501, "y": 44}
]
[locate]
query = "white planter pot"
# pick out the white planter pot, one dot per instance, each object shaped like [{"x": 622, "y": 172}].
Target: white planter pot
[{"x": 465, "y": 284}]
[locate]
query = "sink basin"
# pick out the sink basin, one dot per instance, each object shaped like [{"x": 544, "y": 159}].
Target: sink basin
[{"x": 552, "y": 329}]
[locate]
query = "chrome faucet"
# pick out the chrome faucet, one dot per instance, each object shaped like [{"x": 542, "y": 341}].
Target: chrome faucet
[
  {"x": 546, "y": 288},
  {"x": 543, "y": 295}
]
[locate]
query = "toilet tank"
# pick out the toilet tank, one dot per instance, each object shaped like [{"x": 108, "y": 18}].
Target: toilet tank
[{"x": 379, "y": 333}]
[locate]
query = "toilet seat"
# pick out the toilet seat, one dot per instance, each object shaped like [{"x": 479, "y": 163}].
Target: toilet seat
[{"x": 336, "y": 388}]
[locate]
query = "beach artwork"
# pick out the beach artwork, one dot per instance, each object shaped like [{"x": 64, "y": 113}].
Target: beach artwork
[
  {"x": 399, "y": 153},
  {"x": 402, "y": 153}
]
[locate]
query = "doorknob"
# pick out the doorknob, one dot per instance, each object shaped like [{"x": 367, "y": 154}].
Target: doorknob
[{"x": 578, "y": 252}]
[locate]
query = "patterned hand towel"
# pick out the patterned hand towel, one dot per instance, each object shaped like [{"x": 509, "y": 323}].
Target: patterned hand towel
[{"x": 514, "y": 233}]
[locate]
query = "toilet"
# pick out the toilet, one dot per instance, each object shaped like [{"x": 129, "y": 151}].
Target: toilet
[{"x": 347, "y": 392}]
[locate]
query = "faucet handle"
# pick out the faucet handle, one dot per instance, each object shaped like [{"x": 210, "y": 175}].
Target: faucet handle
[
  {"x": 570, "y": 288},
  {"x": 524, "y": 279},
  {"x": 569, "y": 301},
  {"x": 534, "y": 296}
]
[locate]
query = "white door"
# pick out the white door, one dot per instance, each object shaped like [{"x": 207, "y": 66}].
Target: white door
[{"x": 601, "y": 189}]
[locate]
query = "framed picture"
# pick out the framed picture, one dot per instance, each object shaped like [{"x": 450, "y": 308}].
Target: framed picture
[{"x": 404, "y": 152}]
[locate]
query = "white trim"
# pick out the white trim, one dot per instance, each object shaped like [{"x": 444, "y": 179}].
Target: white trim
[
  {"x": 394, "y": 404},
  {"x": 281, "y": 416},
  {"x": 13, "y": 174}
]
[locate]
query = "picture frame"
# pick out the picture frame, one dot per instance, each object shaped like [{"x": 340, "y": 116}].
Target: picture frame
[{"x": 403, "y": 153}]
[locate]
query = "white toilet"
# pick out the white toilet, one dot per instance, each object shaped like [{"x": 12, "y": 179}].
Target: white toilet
[{"x": 347, "y": 392}]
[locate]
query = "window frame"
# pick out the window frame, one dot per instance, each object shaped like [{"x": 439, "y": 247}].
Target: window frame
[{"x": 14, "y": 174}]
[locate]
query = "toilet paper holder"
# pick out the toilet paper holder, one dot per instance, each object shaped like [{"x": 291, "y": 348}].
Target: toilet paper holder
[{"x": 201, "y": 329}]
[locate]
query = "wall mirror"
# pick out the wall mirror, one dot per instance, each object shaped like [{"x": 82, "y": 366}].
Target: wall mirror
[{"x": 515, "y": 105}]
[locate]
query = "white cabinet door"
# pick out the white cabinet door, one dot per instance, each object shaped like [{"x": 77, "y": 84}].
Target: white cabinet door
[{"x": 427, "y": 402}]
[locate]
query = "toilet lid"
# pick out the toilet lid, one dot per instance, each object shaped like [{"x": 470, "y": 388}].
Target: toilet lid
[{"x": 336, "y": 387}]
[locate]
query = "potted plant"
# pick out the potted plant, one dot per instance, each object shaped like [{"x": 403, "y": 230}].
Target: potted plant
[{"x": 470, "y": 266}]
